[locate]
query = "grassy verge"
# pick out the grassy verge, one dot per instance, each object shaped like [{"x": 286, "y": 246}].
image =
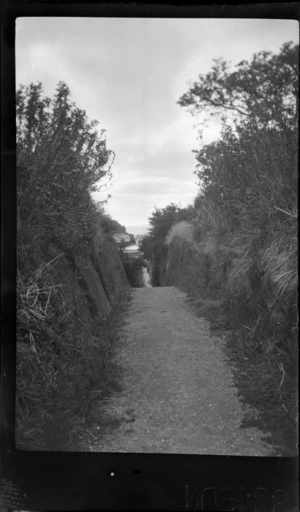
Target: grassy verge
[
  {"x": 98, "y": 423},
  {"x": 266, "y": 381},
  {"x": 64, "y": 357}
]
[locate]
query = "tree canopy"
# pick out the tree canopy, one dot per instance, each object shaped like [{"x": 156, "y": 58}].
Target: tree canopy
[
  {"x": 110, "y": 225},
  {"x": 264, "y": 89},
  {"x": 55, "y": 136},
  {"x": 61, "y": 158},
  {"x": 162, "y": 219},
  {"x": 251, "y": 171}
]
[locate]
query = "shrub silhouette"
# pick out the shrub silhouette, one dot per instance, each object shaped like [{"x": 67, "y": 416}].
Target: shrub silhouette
[{"x": 64, "y": 335}]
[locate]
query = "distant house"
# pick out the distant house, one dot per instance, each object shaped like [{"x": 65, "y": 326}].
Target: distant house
[{"x": 121, "y": 237}]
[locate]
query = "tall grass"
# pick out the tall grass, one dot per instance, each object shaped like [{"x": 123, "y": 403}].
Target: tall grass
[
  {"x": 247, "y": 287},
  {"x": 255, "y": 277},
  {"x": 64, "y": 363},
  {"x": 183, "y": 230}
]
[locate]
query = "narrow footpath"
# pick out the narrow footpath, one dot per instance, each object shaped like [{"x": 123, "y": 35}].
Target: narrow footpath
[{"x": 178, "y": 394}]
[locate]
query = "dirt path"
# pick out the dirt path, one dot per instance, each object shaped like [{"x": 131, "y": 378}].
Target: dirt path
[{"x": 178, "y": 394}]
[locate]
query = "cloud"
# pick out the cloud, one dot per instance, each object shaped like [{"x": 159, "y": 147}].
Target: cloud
[
  {"x": 128, "y": 73},
  {"x": 134, "y": 202},
  {"x": 153, "y": 186}
]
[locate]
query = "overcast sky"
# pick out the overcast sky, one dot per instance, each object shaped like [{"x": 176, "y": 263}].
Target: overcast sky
[{"x": 128, "y": 73}]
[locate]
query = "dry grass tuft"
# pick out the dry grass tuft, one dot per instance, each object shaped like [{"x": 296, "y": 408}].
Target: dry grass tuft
[
  {"x": 239, "y": 274},
  {"x": 210, "y": 221},
  {"x": 34, "y": 300},
  {"x": 279, "y": 263},
  {"x": 183, "y": 230}
]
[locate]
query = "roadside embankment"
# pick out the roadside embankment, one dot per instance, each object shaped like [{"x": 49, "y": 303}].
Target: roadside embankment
[
  {"x": 71, "y": 284},
  {"x": 219, "y": 276},
  {"x": 67, "y": 313}
]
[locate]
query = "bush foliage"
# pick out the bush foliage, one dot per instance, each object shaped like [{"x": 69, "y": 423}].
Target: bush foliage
[
  {"x": 134, "y": 271},
  {"x": 244, "y": 220},
  {"x": 64, "y": 298},
  {"x": 154, "y": 245},
  {"x": 61, "y": 157},
  {"x": 239, "y": 248}
]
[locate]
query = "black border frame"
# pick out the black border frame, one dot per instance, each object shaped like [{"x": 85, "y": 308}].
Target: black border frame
[{"x": 84, "y": 481}]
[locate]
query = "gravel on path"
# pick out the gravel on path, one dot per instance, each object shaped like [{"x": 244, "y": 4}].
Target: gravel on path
[{"x": 178, "y": 394}]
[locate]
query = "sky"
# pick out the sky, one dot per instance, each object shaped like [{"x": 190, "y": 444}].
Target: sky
[{"x": 128, "y": 74}]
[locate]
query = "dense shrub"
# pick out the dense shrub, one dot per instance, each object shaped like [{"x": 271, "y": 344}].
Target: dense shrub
[
  {"x": 246, "y": 220},
  {"x": 110, "y": 225},
  {"x": 241, "y": 251},
  {"x": 146, "y": 246},
  {"x": 61, "y": 157},
  {"x": 70, "y": 277},
  {"x": 133, "y": 269},
  {"x": 154, "y": 245}
]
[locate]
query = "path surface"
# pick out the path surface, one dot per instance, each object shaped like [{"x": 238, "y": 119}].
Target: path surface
[{"x": 178, "y": 394}]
